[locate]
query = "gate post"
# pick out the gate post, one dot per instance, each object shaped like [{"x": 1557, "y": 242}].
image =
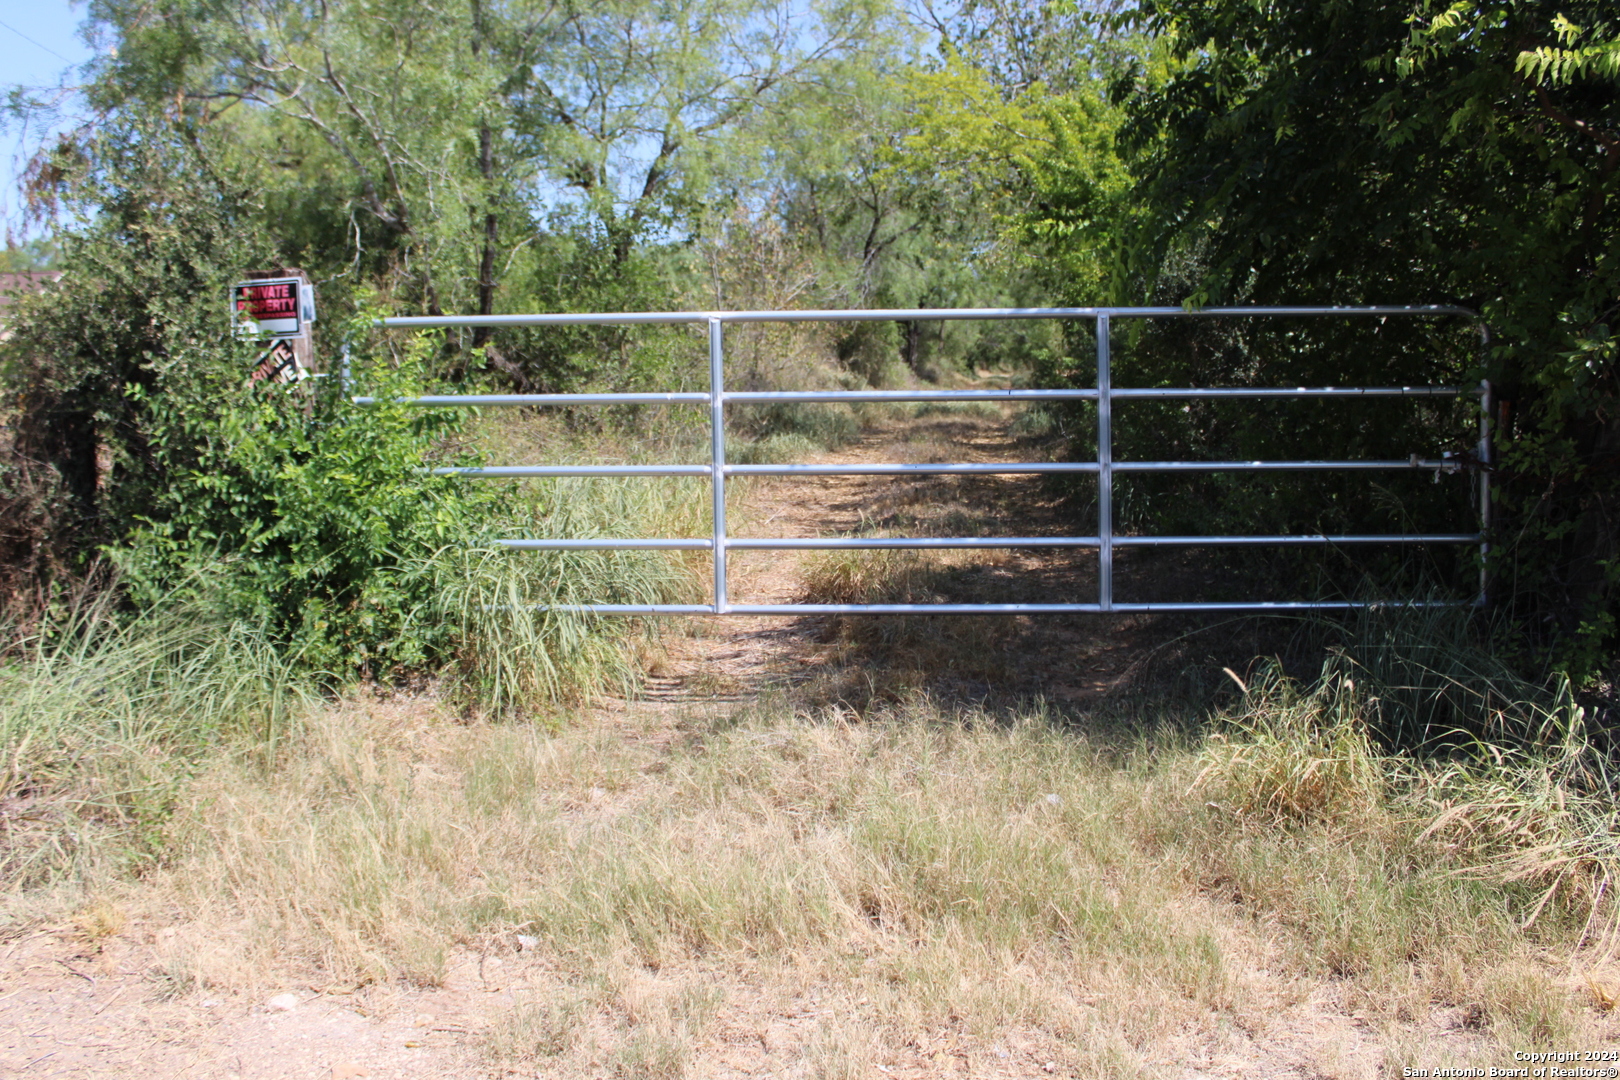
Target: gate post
[
  {"x": 1487, "y": 402},
  {"x": 1105, "y": 470},
  {"x": 717, "y": 458}
]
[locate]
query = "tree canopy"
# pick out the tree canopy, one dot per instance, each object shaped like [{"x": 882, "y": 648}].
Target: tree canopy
[{"x": 1388, "y": 152}]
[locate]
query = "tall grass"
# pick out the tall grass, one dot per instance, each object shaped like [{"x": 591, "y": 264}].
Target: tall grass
[
  {"x": 515, "y": 651},
  {"x": 1503, "y": 768},
  {"x": 516, "y": 654},
  {"x": 1534, "y": 812},
  {"x": 1434, "y": 681},
  {"x": 103, "y": 714}
]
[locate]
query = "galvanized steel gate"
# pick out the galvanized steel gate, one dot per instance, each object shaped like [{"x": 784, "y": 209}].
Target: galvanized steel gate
[{"x": 1104, "y": 467}]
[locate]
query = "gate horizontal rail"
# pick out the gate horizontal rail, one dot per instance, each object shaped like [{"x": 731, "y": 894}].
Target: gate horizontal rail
[
  {"x": 1261, "y": 606},
  {"x": 1104, "y": 467},
  {"x": 831, "y": 543},
  {"x": 630, "y": 318},
  {"x": 895, "y": 468}
]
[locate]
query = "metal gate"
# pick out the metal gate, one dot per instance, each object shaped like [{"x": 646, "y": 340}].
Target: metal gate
[{"x": 1106, "y": 541}]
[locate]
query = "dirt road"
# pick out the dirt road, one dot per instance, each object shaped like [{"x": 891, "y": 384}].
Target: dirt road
[{"x": 1077, "y": 662}]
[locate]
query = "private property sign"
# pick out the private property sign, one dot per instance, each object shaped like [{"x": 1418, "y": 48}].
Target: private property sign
[
  {"x": 273, "y": 307},
  {"x": 277, "y": 306}
]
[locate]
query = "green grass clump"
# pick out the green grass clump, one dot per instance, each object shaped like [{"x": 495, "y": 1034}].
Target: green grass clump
[
  {"x": 979, "y": 410},
  {"x": 1377, "y": 854},
  {"x": 828, "y": 426},
  {"x": 1291, "y": 755},
  {"x": 774, "y": 449},
  {"x": 514, "y": 651},
  {"x": 103, "y": 716},
  {"x": 1432, "y": 681}
]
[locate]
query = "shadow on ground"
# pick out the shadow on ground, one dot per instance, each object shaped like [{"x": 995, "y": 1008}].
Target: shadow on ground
[{"x": 1140, "y": 667}]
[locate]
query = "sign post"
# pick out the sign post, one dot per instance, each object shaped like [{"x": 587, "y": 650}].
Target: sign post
[{"x": 279, "y": 307}]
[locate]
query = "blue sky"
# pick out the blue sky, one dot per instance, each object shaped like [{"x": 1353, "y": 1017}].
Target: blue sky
[{"x": 39, "y": 48}]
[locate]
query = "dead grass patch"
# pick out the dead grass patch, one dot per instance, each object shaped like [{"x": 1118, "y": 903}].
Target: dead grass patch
[{"x": 954, "y": 891}]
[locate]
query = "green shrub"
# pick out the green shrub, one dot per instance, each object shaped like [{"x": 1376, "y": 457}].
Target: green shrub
[
  {"x": 142, "y": 439},
  {"x": 297, "y": 511}
]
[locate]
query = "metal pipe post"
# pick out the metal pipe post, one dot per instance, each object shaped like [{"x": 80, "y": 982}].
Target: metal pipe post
[
  {"x": 1486, "y": 404},
  {"x": 717, "y": 458},
  {"x": 1105, "y": 471}
]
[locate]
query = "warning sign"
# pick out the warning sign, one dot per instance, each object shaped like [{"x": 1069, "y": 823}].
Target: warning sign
[
  {"x": 273, "y": 307},
  {"x": 280, "y": 365},
  {"x": 277, "y": 306}
]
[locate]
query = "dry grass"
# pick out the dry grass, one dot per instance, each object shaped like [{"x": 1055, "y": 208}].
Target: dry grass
[
  {"x": 951, "y": 873},
  {"x": 875, "y": 659},
  {"x": 948, "y": 890},
  {"x": 926, "y": 888},
  {"x": 1288, "y": 755}
]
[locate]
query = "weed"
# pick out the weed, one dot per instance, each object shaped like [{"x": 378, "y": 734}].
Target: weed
[
  {"x": 842, "y": 1051},
  {"x": 651, "y": 1055},
  {"x": 535, "y": 1030},
  {"x": 827, "y": 426},
  {"x": 981, "y": 410},
  {"x": 100, "y": 919},
  {"x": 774, "y": 449},
  {"x": 518, "y": 653},
  {"x": 1430, "y": 683},
  {"x": 1035, "y": 422},
  {"x": 1294, "y": 756},
  {"x": 1525, "y": 1007}
]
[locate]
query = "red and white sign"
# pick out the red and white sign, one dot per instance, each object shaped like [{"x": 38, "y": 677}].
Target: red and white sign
[{"x": 273, "y": 307}]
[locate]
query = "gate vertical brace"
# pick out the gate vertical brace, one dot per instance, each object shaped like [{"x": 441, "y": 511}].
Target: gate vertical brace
[
  {"x": 717, "y": 458},
  {"x": 1486, "y": 403},
  {"x": 1105, "y": 470}
]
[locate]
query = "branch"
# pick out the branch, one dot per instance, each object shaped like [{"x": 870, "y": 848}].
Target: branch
[{"x": 1553, "y": 112}]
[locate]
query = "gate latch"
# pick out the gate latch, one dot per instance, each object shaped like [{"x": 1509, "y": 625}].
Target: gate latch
[{"x": 1450, "y": 462}]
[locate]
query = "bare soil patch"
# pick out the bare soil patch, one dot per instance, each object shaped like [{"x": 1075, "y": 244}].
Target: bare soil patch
[{"x": 1075, "y": 663}]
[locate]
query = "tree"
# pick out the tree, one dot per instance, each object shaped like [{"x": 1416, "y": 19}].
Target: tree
[
  {"x": 900, "y": 183},
  {"x": 461, "y": 156},
  {"x": 362, "y": 130},
  {"x": 1043, "y": 164},
  {"x": 1378, "y": 151},
  {"x": 631, "y": 108},
  {"x": 1059, "y": 46}
]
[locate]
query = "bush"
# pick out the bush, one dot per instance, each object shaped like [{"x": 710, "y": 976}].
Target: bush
[{"x": 313, "y": 518}]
